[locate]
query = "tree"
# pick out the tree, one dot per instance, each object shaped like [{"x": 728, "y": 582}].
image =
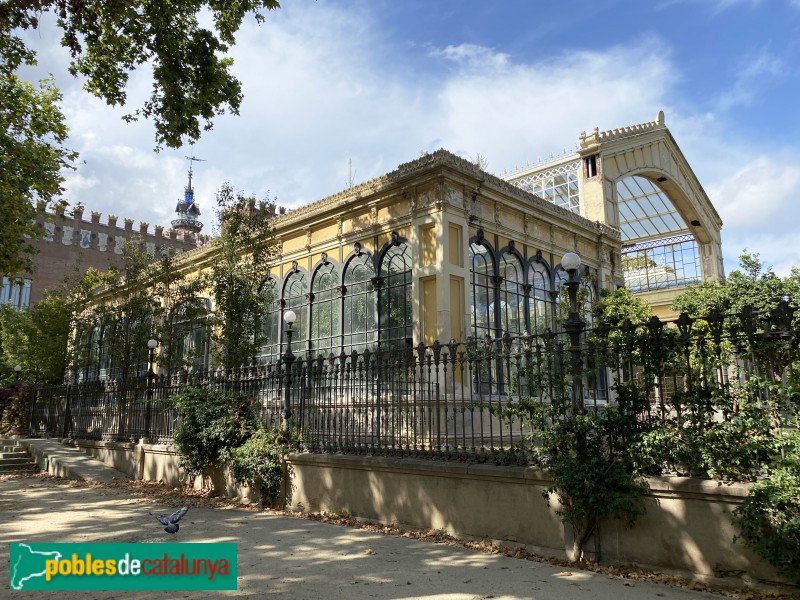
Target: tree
[
  {"x": 757, "y": 298},
  {"x": 239, "y": 274},
  {"x": 38, "y": 339},
  {"x": 32, "y": 156},
  {"x": 180, "y": 315},
  {"x": 192, "y": 79},
  {"x": 115, "y": 329},
  {"x": 192, "y": 83}
]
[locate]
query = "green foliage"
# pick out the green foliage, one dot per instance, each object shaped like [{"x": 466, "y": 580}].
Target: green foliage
[
  {"x": 123, "y": 316},
  {"x": 589, "y": 459},
  {"x": 769, "y": 520},
  {"x": 210, "y": 424},
  {"x": 259, "y": 462},
  {"x": 148, "y": 298},
  {"x": 15, "y": 404},
  {"x": 593, "y": 477},
  {"x": 180, "y": 317},
  {"x": 192, "y": 79},
  {"x": 238, "y": 277},
  {"x": 32, "y": 158},
  {"x": 614, "y": 307},
  {"x": 38, "y": 339},
  {"x": 730, "y": 450}
]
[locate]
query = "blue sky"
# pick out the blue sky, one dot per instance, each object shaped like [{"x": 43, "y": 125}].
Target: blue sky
[{"x": 376, "y": 82}]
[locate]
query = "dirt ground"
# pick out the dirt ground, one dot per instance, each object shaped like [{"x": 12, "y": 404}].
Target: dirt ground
[{"x": 285, "y": 556}]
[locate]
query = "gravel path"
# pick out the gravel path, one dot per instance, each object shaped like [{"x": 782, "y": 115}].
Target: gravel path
[{"x": 286, "y": 557}]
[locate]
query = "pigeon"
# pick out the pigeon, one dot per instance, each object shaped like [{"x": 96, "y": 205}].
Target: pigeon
[{"x": 171, "y": 521}]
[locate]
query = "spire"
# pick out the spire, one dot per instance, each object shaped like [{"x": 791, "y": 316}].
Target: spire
[{"x": 187, "y": 213}]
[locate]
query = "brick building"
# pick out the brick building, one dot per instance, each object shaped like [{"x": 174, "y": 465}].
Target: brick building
[{"x": 72, "y": 243}]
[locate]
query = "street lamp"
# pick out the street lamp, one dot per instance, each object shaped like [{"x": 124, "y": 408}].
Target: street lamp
[
  {"x": 152, "y": 344},
  {"x": 289, "y": 317},
  {"x": 574, "y": 327},
  {"x": 17, "y": 370}
]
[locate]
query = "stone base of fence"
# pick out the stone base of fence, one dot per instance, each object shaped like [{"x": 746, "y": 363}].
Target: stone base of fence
[{"x": 687, "y": 529}]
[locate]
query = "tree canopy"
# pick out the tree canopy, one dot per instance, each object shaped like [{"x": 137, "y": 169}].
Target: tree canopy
[
  {"x": 192, "y": 79},
  {"x": 32, "y": 155},
  {"x": 107, "y": 41}
]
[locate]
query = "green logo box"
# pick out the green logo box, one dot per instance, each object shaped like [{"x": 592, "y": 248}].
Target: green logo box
[{"x": 89, "y": 566}]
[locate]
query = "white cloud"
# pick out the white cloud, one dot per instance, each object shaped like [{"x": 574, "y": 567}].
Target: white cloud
[
  {"x": 473, "y": 56},
  {"x": 759, "y": 193},
  {"x": 530, "y": 110},
  {"x": 753, "y": 76},
  {"x": 757, "y": 201},
  {"x": 324, "y": 86}
]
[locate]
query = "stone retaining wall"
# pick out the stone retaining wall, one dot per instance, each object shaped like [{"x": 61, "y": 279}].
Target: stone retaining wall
[{"x": 688, "y": 526}]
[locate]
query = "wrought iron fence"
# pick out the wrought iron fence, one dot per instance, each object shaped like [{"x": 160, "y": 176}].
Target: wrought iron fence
[{"x": 446, "y": 400}]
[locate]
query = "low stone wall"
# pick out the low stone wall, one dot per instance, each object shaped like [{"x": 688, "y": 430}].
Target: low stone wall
[
  {"x": 688, "y": 526},
  {"x": 159, "y": 462}
]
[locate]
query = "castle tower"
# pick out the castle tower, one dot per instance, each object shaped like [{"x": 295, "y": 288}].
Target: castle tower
[{"x": 187, "y": 213}]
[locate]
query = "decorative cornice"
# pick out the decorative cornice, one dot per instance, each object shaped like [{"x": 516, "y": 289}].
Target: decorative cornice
[
  {"x": 440, "y": 158},
  {"x": 598, "y": 137}
]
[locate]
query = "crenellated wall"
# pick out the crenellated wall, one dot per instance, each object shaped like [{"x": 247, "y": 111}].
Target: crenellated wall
[{"x": 72, "y": 243}]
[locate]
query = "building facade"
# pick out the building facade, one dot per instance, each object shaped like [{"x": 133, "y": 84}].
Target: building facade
[
  {"x": 636, "y": 179},
  {"x": 73, "y": 245},
  {"x": 435, "y": 250},
  {"x": 438, "y": 249}
]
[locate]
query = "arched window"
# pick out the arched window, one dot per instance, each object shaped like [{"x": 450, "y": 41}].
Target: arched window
[
  {"x": 324, "y": 310},
  {"x": 186, "y": 338},
  {"x": 395, "y": 297},
  {"x": 90, "y": 354},
  {"x": 270, "y": 325},
  {"x": 359, "y": 303},
  {"x": 540, "y": 299},
  {"x": 295, "y": 297},
  {"x": 512, "y": 296},
  {"x": 197, "y": 341},
  {"x": 482, "y": 300}
]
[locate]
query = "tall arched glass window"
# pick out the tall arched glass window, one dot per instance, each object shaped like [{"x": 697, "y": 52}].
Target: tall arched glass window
[
  {"x": 395, "y": 297},
  {"x": 324, "y": 310},
  {"x": 359, "y": 303},
  {"x": 512, "y": 295},
  {"x": 540, "y": 299},
  {"x": 270, "y": 326},
  {"x": 199, "y": 339},
  {"x": 295, "y": 296},
  {"x": 482, "y": 300}
]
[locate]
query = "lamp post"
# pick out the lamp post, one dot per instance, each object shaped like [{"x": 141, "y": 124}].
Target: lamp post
[
  {"x": 289, "y": 317},
  {"x": 152, "y": 344},
  {"x": 17, "y": 371},
  {"x": 99, "y": 353},
  {"x": 574, "y": 327}
]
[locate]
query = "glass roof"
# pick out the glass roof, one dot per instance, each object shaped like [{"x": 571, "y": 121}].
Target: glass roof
[{"x": 645, "y": 211}]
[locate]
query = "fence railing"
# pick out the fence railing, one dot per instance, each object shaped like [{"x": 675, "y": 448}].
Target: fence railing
[{"x": 445, "y": 400}]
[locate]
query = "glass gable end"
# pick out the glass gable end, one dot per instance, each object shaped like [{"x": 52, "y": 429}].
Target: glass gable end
[
  {"x": 645, "y": 211},
  {"x": 659, "y": 251}
]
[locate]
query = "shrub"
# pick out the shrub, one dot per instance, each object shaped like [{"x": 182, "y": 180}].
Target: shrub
[
  {"x": 15, "y": 403},
  {"x": 210, "y": 424},
  {"x": 258, "y": 463},
  {"x": 592, "y": 474},
  {"x": 769, "y": 521},
  {"x": 588, "y": 457}
]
